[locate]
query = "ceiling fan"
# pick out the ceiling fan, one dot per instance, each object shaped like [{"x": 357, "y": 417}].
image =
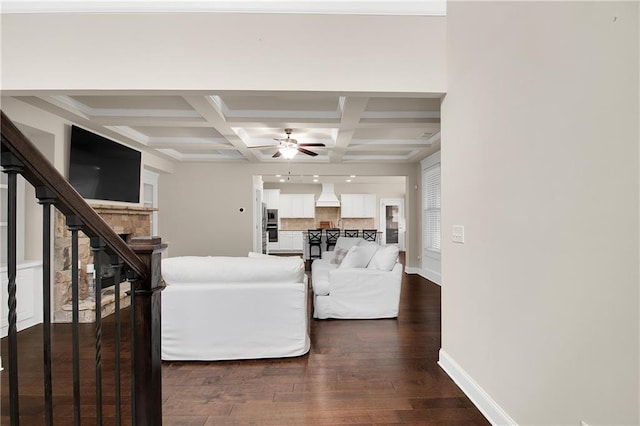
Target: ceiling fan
[{"x": 288, "y": 147}]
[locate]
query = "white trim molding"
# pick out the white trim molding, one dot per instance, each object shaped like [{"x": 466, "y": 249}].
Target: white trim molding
[
  {"x": 428, "y": 274},
  {"x": 352, "y": 7},
  {"x": 487, "y": 406}
]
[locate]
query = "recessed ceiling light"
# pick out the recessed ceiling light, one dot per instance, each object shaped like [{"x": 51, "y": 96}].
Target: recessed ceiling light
[
  {"x": 348, "y": 180},
  {"x": 316, "y": 176},
  {"x": 315, "y": 180},
  {"x": 353, "y": 176},
  {"x": 278, "y": 175},
  {"x": 281, "y": 180}
]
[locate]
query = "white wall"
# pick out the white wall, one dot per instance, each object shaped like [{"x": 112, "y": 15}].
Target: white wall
[
  {"x": 224, "y": 51},
  {"x": 540, "y": 163}
]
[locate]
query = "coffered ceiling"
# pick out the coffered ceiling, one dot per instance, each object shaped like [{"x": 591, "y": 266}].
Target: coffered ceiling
[{"x": 228, "y": 127}]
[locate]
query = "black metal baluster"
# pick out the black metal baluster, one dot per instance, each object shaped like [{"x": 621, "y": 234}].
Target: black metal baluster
[
  {"x": 12, "y": 167},
  {"x": 132, "y": 279},
  {"x": 75, "y": 224},
  {"x": 46, "y": 198},
  {"x": 97, "y": 248},
  {"x": 116, "y": 265}
]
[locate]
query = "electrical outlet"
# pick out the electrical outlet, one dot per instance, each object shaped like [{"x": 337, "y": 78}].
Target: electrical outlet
[{"x": 458, "y": 234}]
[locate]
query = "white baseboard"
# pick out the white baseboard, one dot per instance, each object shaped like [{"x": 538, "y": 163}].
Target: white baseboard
[
  {"x": 425, "y": 273},
  {"x": 487, "y": 406}
]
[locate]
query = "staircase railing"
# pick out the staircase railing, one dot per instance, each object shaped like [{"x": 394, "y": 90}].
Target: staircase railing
[{"x": 139, "y": 260}]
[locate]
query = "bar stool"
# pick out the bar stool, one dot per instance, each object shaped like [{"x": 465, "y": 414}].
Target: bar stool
[
  {"x": 370, "y": 234},
  {"x": 351, "y": 233},
  {"x": 332, "y": 237},
  {"x": 314, "y": 237}
]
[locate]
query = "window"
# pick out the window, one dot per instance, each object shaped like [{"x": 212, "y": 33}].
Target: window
[{"x": 431, "y": 208}]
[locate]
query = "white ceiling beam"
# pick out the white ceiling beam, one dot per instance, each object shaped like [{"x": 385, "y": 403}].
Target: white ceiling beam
[
  {"x": 214, "y": 115},
  {"x": 352, "y": 110}
]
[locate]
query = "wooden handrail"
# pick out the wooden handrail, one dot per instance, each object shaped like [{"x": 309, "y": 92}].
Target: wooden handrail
[{"x": 39, "y": 172}]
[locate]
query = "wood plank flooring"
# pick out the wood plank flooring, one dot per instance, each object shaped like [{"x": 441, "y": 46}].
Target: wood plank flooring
[{"x": 358, "y": 372}]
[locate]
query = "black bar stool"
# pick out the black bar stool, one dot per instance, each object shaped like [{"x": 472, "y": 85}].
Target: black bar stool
[
  {"x": 332, "y": 237},
  {"x": 370, "y": 234},
  {"x": 351, "y": 233},
  {"x": 314, "y": 238}
]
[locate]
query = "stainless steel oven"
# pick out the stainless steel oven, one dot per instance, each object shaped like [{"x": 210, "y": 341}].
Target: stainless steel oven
[
  {"x": 272, "y": 231},
  {"x": 272, "y": 217}
]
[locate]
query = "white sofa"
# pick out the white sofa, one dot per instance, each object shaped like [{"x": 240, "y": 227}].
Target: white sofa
[
  {"x": 223, "y": 308},
  {"x": 358, "y": 280}
]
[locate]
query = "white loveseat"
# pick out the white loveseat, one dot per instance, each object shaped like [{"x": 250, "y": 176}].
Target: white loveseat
[
  {"x": 223, "y": 308},
  {"x": 357, "y": 280}
]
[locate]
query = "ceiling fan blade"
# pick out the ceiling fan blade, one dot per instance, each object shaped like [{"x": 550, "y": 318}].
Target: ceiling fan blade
[
  {"x": 285, "y": 140},
  {"x": 262, "y": 146},
  {"x": 311, "y": 144},
  {"x": 277, "y": 154},
  {"x": 306, "y": 151}
]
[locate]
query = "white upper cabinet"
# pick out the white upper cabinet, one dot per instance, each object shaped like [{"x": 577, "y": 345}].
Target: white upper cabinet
[
  {"x": 272, "y": 198},
  {"x": 358, "y": 205},
  {"x": 297, "y": 206}
]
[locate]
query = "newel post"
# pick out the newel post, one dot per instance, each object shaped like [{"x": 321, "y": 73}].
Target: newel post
[{"x": 147, "y": 363}]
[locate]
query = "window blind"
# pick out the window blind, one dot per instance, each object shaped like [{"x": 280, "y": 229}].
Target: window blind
[{"x": 431, "y": 209}]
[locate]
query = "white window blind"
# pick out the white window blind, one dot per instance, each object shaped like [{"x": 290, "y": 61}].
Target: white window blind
[{"x": 431, "y": 209}]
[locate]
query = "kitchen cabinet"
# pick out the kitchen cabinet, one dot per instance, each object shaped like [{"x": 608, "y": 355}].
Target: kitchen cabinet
[
  {"x": 297, "y": 206},
  {"x": 272, "y": 198},
  {"x": 273, "y": 246},
  {"x": 290, "y": 241},
  {"x": 358, "y": 205}
]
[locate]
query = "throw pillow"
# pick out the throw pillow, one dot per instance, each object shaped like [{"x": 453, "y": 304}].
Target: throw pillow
[
  {"x": 384, "y": 259},
  {"x": 346, "y": 243},
  {"x": 339, "y": 254},
  {"x": 358, "y": 256}
]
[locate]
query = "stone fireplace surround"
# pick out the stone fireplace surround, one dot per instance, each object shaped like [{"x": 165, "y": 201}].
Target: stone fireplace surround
[{"x": 132, "y": 221}]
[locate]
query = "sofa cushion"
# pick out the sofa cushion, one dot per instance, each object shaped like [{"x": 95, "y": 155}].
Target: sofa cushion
[
  {"x": 224, "y": 270},
  {"x": 384, "y": 259},
  {"x": 343, "y": 244},
  {"x": 359, "y": 256},
  {"x": 338, "y": 255}
]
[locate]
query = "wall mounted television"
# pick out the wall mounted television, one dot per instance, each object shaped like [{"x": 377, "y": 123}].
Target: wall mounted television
[{"x": 102, "y": 169}]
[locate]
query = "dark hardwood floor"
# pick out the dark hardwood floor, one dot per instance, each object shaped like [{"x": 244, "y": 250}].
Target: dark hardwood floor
[{"x": 357, "y": 372}]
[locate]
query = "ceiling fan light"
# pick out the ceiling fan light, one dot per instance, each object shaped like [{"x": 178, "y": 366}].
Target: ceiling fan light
[{"x": 288, "y": 152}]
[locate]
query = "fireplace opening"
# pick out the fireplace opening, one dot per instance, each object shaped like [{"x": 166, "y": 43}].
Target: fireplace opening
[{"x": 106, "y": 270}]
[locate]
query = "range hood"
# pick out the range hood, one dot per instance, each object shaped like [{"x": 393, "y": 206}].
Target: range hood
[{"x": 327, "y": 197}]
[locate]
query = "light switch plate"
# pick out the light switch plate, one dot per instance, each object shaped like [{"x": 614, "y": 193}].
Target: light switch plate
[{"x": 458, "y": 234}]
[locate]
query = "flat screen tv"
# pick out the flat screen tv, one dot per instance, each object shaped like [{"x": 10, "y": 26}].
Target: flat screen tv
[{"x": 102, "y": 169}]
